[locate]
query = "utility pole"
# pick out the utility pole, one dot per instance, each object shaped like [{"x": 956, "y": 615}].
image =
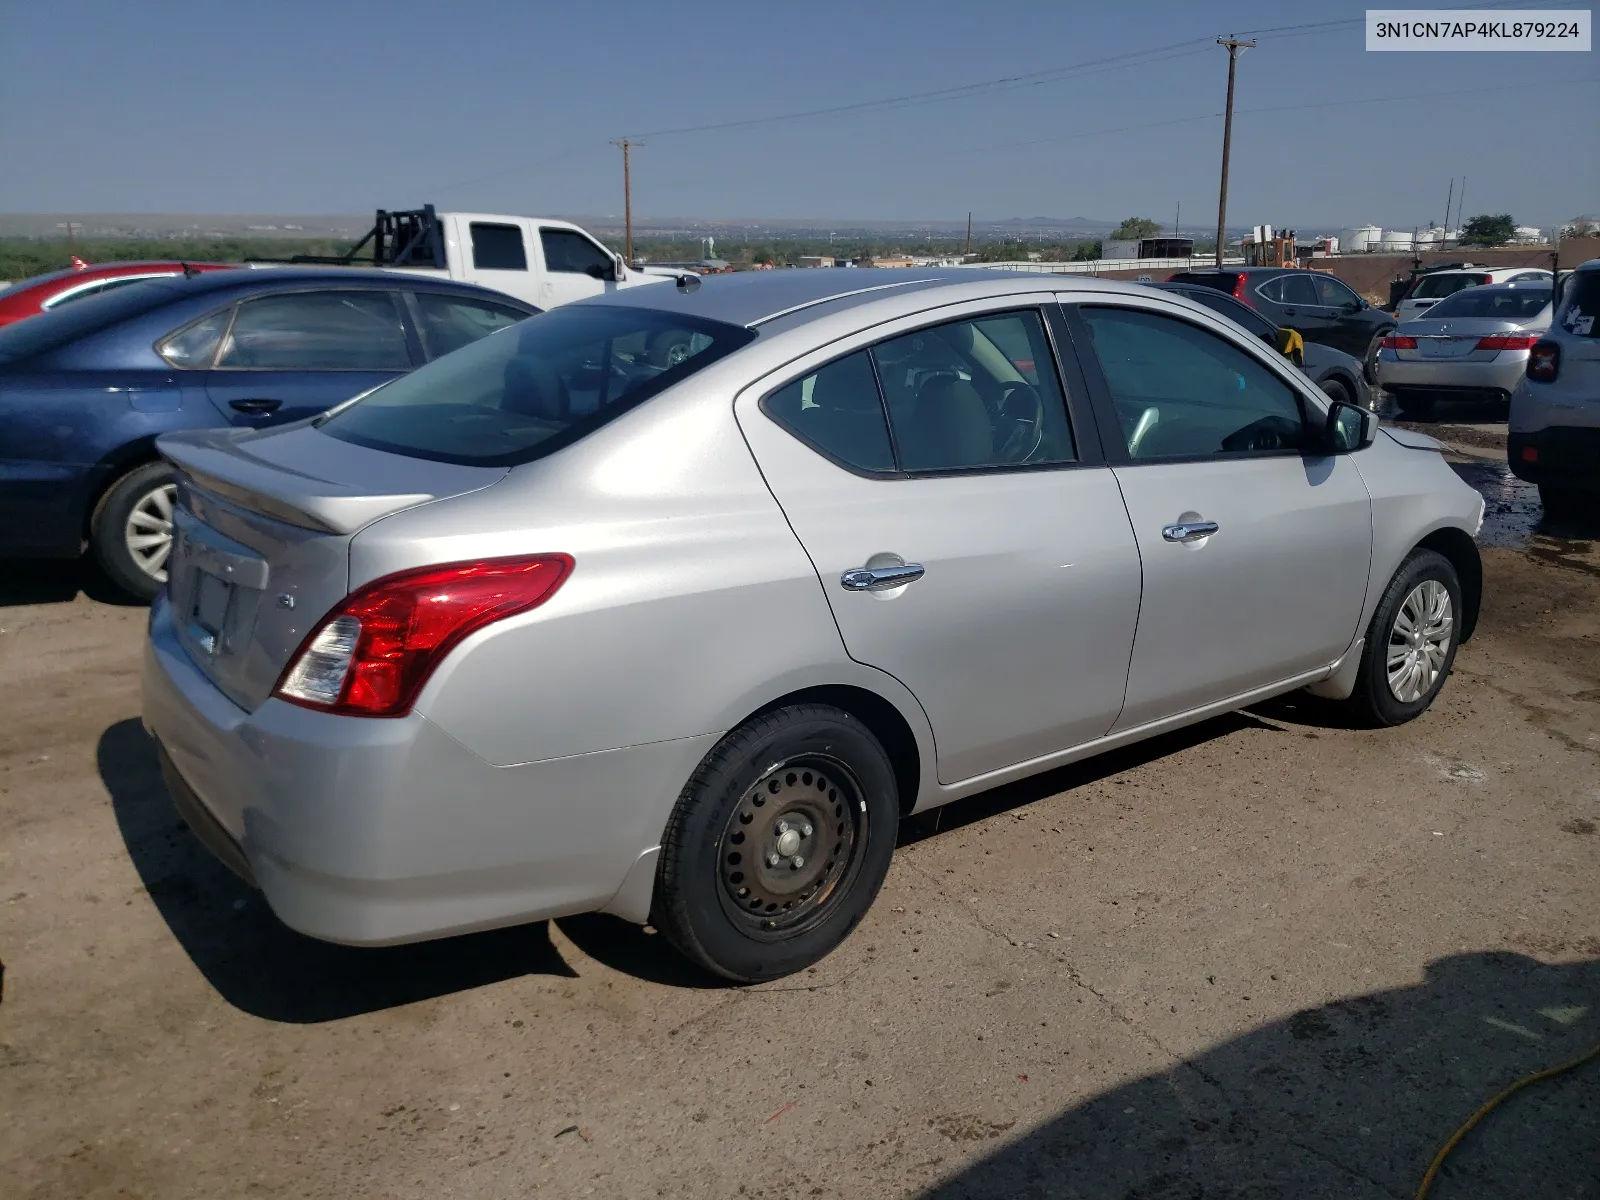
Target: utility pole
[
  {"x": 1444, "y": 234},
  {"x": 1460, "y": 200},
  {"x": 1234, "y": 46},
  {"x": 627, "y": 197},
  {"x": 1175, "y": 219},
  {"x": 969, "y": 235}
]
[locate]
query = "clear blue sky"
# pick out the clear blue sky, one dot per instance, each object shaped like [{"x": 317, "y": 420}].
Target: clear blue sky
[{"x": 341, "y": 106}]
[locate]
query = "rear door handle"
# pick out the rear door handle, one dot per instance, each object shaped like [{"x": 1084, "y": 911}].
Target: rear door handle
[
  {"x": 1291, "y": 312},
  {"x": 880, "y": 579},
  {"x": 255, "y": 408},
  {"x": 1189, "y": 531}
]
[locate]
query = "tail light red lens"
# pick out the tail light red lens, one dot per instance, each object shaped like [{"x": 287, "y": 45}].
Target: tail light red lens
[
  {"x": 371, "y": 655},
  {"x": 1238, "y": 288},
  {"x": 1544, "y": 362},
  {"x": 1398, "y": 342},
  {"x": 1507, "y": 341}
]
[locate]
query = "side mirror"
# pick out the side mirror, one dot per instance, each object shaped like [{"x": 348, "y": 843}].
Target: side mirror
[{"x": 1349, "y": 427}]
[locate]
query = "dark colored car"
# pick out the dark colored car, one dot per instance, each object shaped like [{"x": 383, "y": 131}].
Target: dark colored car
[
  {"x": 1334, "y": 371},
  {"x": 85, "y": 390},
  {"x": 1313, "y": 303}
]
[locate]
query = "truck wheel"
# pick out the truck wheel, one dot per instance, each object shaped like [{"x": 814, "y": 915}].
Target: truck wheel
[
  {"x": 1560, "y": 503},
  {"x": 1411, "y": 643},
  {"x": 778, "y": 843},
  {"x": 131, "y": 530}
]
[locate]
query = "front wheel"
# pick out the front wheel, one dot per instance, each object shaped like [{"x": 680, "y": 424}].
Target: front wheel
[
  {"x": 131, "y": 532},
  {"x": 778, "y": 843},
  {"x": 1411, "y": 643}
]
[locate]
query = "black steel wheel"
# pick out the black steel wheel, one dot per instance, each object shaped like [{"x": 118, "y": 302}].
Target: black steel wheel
[{"x": 778, "y": 843}]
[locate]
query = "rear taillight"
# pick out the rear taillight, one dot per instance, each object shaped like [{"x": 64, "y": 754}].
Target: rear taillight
[
  {"x": 1507, "y": 341},
  {"x": 371, "y": 655},
  {"x": 1238, "y": 288},
  {"x": 1397, "y": 342},
  {"x": 1544, "y": 362}
]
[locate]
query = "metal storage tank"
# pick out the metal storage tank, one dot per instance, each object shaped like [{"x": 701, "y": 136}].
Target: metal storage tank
[
  {"x": 1397, "y": 240},
  {"x": 1360, "y": 239}
]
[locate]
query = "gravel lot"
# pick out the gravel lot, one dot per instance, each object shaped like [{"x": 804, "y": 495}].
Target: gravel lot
[{"x": 1268, "y": 956}]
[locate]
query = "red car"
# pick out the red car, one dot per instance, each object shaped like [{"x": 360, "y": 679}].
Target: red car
[{"x": 44, "y": 292}]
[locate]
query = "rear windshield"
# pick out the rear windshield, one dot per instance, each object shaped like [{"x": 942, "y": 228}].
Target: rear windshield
[
  {"x": 1434, "y": 286},
  {"x": 55, "y": 328},
  {"x": 1222, "y": 281},
  {"x": 531, "y": 388},
  {"x": 1580, "y": 310},
  {"x": 1511, "y": 303}
]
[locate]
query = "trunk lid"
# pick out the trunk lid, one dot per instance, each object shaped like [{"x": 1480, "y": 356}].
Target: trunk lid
[
  {"x": 261, "y": 539},
  {"x": 1457, "y": 339}
]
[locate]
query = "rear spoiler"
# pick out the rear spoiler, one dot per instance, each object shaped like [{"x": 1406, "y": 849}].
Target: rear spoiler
[{"x": 398, "y": 238}]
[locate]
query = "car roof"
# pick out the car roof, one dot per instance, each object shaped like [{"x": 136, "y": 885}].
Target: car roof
[{"x": 798, "y": 294}]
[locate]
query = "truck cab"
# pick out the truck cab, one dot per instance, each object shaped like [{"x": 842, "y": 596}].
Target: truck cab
[{"x": 540, "y": 260}]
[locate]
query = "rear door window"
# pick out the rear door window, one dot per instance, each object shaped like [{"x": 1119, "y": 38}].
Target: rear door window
[
  {"x": 498, "y": 247},
  {"x": 318, "y": 331},
  {"x": 1298, "y": 289},
  {"x": 451, "y": 322},
  {"x": 838, "y": 411},
  {"x": 535, "y": 386}
]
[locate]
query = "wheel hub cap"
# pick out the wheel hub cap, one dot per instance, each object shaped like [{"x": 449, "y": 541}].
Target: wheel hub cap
[
  {"x": 1419, "y": 643},
  {"x": 789, "y": 843}
]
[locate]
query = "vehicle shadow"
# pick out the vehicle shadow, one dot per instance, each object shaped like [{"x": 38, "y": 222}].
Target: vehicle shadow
[
  {"x": 54, "y": 581},
  {"x": 1350, "y": 1100},
  {"x": 257, "y": 963},
  {"x": 1007, "y": 796}
]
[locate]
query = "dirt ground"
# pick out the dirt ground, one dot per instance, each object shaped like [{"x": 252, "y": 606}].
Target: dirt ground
[{"x": 1268, "y": 956}]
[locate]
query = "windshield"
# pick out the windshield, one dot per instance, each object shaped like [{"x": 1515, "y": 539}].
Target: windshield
[
  {"x": 1513, "y": 304},
  {"x": 534, "y": 387},
  {"x": 58, "y": 326},
  {"x": 1434, "y": 286}
]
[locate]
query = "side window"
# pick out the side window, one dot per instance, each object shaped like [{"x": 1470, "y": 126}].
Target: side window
[
  {"x": 195, "y": 345},
  {"x": 1181, "y": 392},
  {"x": 572, "y": 253},
  {"x": 498, "y": 248},
  {"x": 1297, "y": 289},
  {"x": 837, "y": 410},
  {"x": 94, "y": 289},
  {"x": 318, "y": 331},
  {"x": 1332, "y": 293},
  {"x": 976, "y": 393},
  {"x": 1272, "y": 290},
  {"x": 451, "y": 322},
  {"x": 1530, "y": 277}
]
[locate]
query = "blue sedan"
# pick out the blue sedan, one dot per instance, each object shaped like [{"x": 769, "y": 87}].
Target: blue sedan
[{"x": 85, "y": 390}]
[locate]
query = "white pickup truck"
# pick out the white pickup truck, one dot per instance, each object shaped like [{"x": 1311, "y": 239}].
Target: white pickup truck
[{"x": 537, "y": 259}]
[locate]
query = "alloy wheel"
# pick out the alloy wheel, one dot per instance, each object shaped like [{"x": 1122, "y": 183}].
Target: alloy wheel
[
  {"x": 1419, "y": 641},
  {"x": 148, "y": 532}
]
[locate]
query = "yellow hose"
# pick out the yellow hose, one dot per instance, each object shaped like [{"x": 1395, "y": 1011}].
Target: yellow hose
[{"x": 1455, "y": 1139}]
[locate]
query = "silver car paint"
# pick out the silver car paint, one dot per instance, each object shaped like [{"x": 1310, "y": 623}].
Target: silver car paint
[
  {"x": 535, "y": 775},
  {"x": 1031, "y": 591},
  {"x": 1495, "y": 369}
]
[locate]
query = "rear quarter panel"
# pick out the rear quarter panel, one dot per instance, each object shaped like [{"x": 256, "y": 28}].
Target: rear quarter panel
[{"x": 691, "y": 603}]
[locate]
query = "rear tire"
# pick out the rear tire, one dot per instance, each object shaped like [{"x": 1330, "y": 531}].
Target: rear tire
[
  {"x": 1561, "y": 503},
  {"x": 1336, "y": 391},
  {"x": 1369, "y": 360},
  {"x": 130, "y": 533},
  {"x": 778, "y": 844},
  {"x": 1411, "y": 642}
]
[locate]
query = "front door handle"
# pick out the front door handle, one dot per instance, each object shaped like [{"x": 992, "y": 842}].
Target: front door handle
[
  {"x": 880, "y": 579},
  {"x": 255, "y": 408},
  {"x": 1189, "y": 531},
  {"x": 1290, "y": 312}
]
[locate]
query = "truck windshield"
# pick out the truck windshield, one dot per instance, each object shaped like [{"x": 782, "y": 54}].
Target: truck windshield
[{"x": 533, "y": 387}]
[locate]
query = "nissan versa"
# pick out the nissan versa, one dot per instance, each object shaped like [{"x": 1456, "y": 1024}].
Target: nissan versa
[{"x": 672, "y": 603}]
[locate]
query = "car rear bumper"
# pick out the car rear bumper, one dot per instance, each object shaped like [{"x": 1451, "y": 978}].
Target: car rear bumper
[
  {"x": 1497, "y": 378},
  {"x": 1565, "y": 455},
  {"x": 373, "y": 832}
]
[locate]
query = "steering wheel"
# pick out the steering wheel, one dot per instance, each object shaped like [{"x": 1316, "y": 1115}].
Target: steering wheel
[
  {"x": 1267, "y": 433},
  {"x": 1020, "y": 421}
]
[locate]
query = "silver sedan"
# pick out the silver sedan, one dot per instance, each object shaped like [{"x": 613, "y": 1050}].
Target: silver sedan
[
  {"x": 1472, "y": 345},
  {"x": 673, "y": 603}
]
